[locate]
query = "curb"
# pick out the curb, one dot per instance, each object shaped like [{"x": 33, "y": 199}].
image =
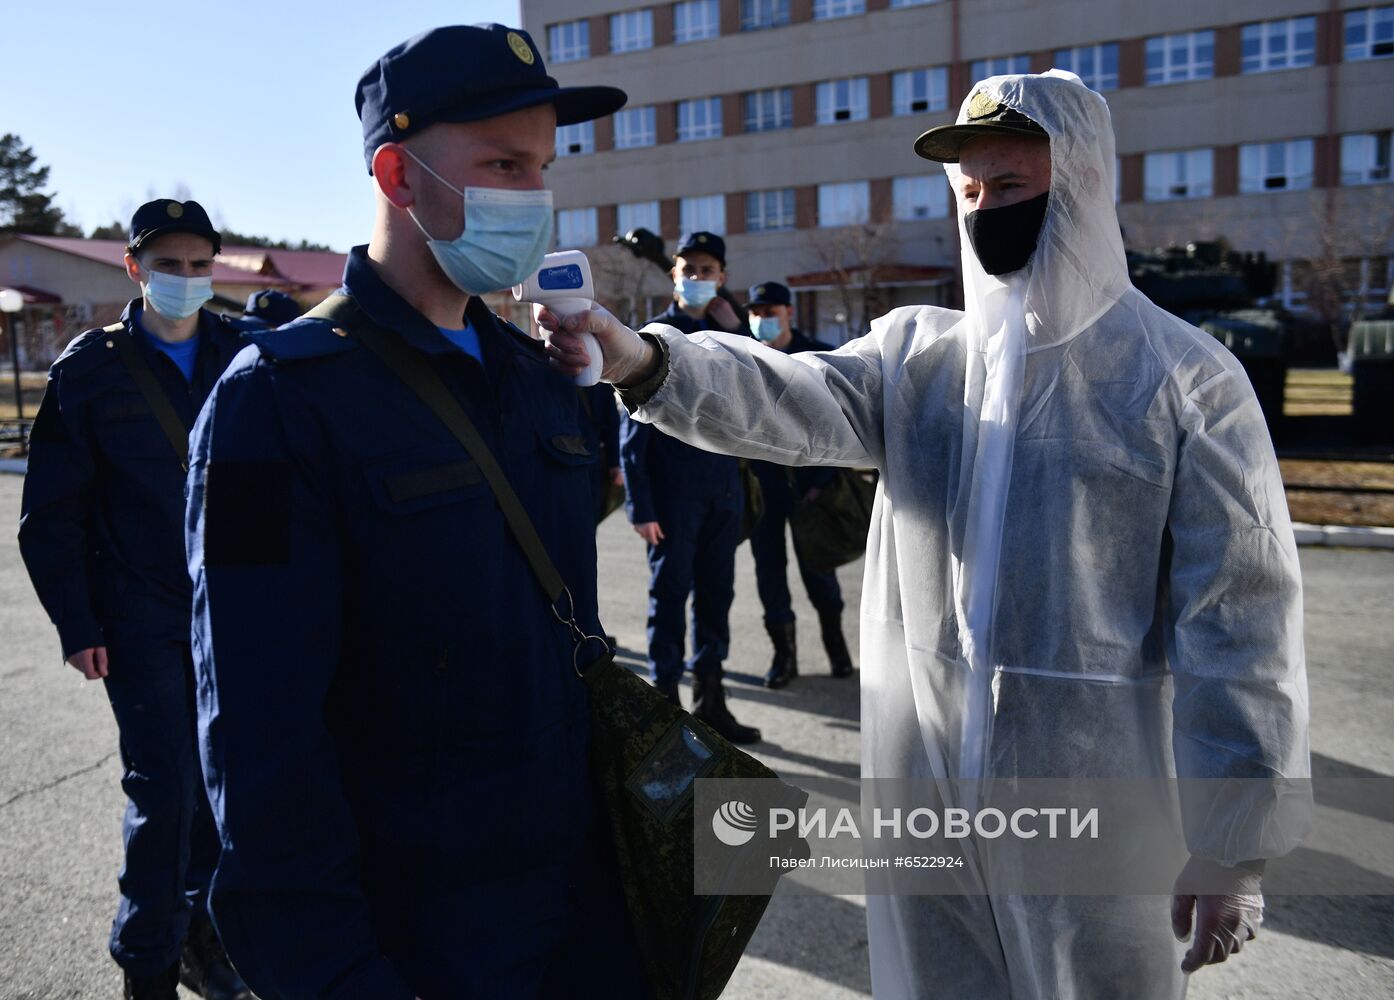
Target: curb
[
  {"x": 15, "y": 465},
  {"x": 1343, "y": 536}
]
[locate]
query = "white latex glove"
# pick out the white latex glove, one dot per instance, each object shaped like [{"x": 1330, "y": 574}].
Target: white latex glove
[
  {"x": 628, "y": 358},
  {"x": 1223, "y": 921}
]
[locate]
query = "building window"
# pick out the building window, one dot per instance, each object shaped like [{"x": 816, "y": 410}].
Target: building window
[
  {"x": 767, "y": 110},
  {"x": 981, "y": 69},
  {"x": 569, "y": 42},
  {"x": 1096, "y": 65},
  {"x": 1174, "y": 58},
  {"x": 841, "y": 101},
  {"x": 911, "y": 3},
  {"x": 694, "y": 20},
  {"x": 1365, "y": 158},
  {"x": 1275, "y": 166},
  {"x": 577, "y": 227},
  {"x": 1280, "y": 44},
  {"x": 699, "y": 119},
  {"x": 1174, "y": 176},
  {"x": 634, "y": 127},
  {"x": 638, "y": 215},
  {"x": 574, "y": 140},
  {"x": 759, "y": 14},
  {"x": 844, "y": 204},
  {"x": 1370, "y": 33},
  {"x": 916, "y": 91},
  {"x": 922, "y": 197},
  {"x": 825, "y": 9},
  {"x": 631, "y": 31},
  {"x": 766, "y": 210},
  {"x": 706, "y": 213}
]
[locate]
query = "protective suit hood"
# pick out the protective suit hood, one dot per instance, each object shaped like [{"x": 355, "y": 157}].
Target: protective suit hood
[{"x": 1079, "y": 269}]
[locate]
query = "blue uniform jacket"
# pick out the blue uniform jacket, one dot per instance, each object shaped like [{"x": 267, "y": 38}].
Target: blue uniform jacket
[
  {"x": 393, "y": 736},
  {"x": 807, "y": 477},
  {"x": 101, "y": 519},
  {"x": 658, "y": 468}
]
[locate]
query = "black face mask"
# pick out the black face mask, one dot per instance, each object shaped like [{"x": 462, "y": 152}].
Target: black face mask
[{"x": 1004, "y": 238}]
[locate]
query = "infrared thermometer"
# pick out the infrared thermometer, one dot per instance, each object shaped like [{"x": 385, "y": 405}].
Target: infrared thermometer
[{"x": 563, "y": 284}]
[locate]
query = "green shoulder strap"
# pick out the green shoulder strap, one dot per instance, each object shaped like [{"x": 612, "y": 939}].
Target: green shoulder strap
[
  {"x": 150, "y": 388},
  {"x": 413, "y": 369}
]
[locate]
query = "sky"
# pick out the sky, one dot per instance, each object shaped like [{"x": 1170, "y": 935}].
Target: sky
[{"x": 246, "y": 105}]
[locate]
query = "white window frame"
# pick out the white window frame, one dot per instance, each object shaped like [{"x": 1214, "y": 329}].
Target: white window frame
[
  {"x": 1193, "y": 68},
  {"x": 772, "y": 110},
  {"x": 631, "y": 31},
  {"x": 842, "y": 101},
  {"x": 981, "y": 69},
  {"x": 1178, "y": 175},
  {"x": 638, "y": 215},
  {"x": 696, "y": 21},
  {"x": 923, "y": 196},
  {"x": 569, "y": 41},
  {"x": 769, "y": 211},
  {"x": 636, "y": 128},
  {"x": 1256, "y": 173},
  {"x": 703, "y": 213},
  {"x": 847, "y": 203},
  {"x": 912, "y": 3},
  {"x": 699, "y": 119},
  {"x": 1369, "y": 21},
  {"x": 1098, "y": 78},
  {"x": 827, "y": 10},
  {"x": 1365, "y": 158},
  {"x": 1263, "y": 35},
  {"x": 577, "y": 227},
  {"x": 917, "y": 91},
  {"x": 575, "y": 140},
  {"x": 760, "y": 15}
]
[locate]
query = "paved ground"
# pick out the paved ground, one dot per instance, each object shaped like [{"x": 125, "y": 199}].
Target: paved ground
[{"x": 60, "y": 803}]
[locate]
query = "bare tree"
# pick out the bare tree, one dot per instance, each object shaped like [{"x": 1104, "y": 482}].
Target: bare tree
[
  {"x": 624, "y": 284},
  {"x": 853, "y": 259}
]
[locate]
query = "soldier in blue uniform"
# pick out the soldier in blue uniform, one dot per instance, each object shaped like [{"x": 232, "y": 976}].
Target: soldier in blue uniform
[
  {"x": 268, "y": 307},
  {"x": 771, "y": 322},
  {"x": 393, "y": 734},
  {"x": 101, "y": 532},
  {"x": 686, "y": 504}
]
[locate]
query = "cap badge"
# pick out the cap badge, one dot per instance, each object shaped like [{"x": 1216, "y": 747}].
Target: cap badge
[
  {"x": 263, "y": 302},
  {"x": 520, "y": 48},
  {"x": 982, "y": 106},
  {"x": 174, "y": 210},
  {"x": 401, "y": 120},
  {"x": 701, "y": 239},
  {"x": 760, "y": 292}
]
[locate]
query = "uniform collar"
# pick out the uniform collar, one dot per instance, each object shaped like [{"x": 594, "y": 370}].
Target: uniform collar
[{"x": 392, "y": 312}]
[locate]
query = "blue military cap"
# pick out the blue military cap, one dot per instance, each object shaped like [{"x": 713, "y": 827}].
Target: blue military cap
[
  {"x": 272, "y": 307},
  {"x": 770, "y": 293},
  {"x": 705, "y": 242},
  {"x": 464, "y": 73},
  {"x": 167, "y": 215}
]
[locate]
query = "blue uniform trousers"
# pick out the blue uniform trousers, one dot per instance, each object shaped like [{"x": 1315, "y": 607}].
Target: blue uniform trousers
[
  {"x": 170, "y": 840},
  {"x": 697, "y": 557},
  {"x": 771, "y": 561}
]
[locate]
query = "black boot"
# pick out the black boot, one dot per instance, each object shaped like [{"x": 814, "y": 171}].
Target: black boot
[
  {"x": 785, "y": 665},
  {"x": 669, "y": 690},
  {"x": 709, "y": 705},
  {"x": 835, "y": 644},
  {"x": 204, "y": 967},
  {"x": 161, "y": 986}
]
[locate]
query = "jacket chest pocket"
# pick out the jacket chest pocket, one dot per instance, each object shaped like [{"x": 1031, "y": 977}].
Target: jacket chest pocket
[
  {"x": 126, "y": 428},
  {"x": 425, "y": 481}
]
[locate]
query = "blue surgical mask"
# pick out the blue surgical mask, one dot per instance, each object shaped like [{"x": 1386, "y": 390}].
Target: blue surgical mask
[
  {"x": 765, "y": 328},
  {"x": 695, "y": 293},
  {"x": 506, "y": 235},
  {"x": 174, "y": 296}
]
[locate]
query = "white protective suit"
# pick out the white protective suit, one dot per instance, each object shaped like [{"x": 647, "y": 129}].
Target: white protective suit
[{"x": 1080, "y": 563}]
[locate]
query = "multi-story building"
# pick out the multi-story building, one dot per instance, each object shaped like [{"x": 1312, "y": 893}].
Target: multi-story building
[{"x": 787, "y": 126}]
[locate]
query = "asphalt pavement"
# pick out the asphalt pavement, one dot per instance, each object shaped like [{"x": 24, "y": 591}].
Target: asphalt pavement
[{"x": 60, "y": 801}]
